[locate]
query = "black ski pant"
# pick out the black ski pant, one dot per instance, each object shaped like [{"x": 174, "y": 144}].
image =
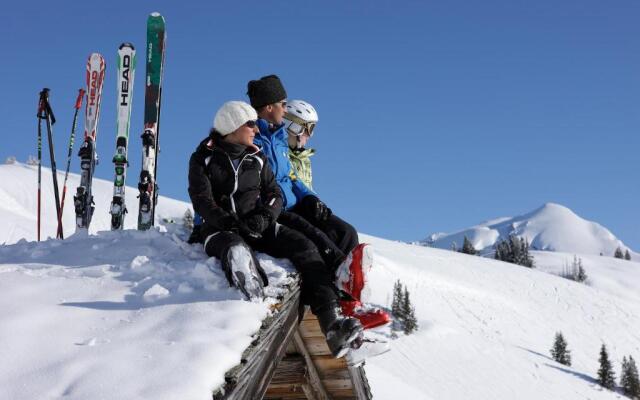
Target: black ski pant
[
  {"x": 330, "y": 252},
  {"x": 280, "y": 241},
  {"x": 341, "y": 233}
]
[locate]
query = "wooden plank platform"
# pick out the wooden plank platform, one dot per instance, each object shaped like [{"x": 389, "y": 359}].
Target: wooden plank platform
[
  {"x": 323, "y": 376},
  {"x": 289, "y": 359}
]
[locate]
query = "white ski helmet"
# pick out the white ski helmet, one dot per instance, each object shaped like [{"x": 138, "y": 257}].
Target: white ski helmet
[{"x": 300, "y": 115}]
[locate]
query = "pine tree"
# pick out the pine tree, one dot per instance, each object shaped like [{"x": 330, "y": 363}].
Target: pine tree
[
  {"x": 32, "y": 160},
  {"x": 410, "y": 321},
  {"x": 624, "y": 376},
  {"x": 629, "y": 380},
  {"x": 627, "y": 255},
  {"x": 397, "y": 299},
  {"x": 10, "y": 160},
  {"x": 576, "y": 271},
  {"x": 467, "y": 247},
  {"x": 634, "y": 379},
  {"x": 606, "y": 376},
  {"x": 514, "y": 250},
  {"x": 187, "y": 220},
  {"x": 618, "y": 253},
  {"x": 559, "y": 351}
]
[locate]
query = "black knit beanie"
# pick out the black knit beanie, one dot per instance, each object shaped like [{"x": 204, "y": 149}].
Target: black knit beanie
[{"x": 267, "y": 90}]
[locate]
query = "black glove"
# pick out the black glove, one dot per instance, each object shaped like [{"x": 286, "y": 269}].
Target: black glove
[
  {"x": 316, "y": 208},
  {"x": 229, "y": 222},
  {"x": 255, "y": 224}
]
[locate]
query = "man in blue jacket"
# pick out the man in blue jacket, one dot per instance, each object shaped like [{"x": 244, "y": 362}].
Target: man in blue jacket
[{"x": 268, "y": 97}]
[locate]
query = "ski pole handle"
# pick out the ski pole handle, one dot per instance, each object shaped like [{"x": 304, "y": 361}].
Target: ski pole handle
[{"x": 79, "y": 99}]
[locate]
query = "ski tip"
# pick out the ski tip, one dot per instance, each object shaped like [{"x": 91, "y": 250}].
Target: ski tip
[{"x": 126, "y": 44}]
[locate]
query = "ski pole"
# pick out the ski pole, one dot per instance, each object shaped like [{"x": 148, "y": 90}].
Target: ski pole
[
  {"x": 77, "y": 106},
  {"x": 48, "y": 116},
  {"x": 40, "y": 112}
]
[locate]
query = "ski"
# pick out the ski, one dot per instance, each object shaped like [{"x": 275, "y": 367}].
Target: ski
[
  {"x": 366, "y": 347},
  {"x": 147, "y": 185},
  {"x": 83, "y": 200},
  {"x": 126, "y": 72}
]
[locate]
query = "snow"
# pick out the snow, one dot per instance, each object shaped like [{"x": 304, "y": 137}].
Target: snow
[
  {"x": 124, "y": 315},
  {"x": 121, "y": 315},
  {"x": 18, "y": 203},
  {"x": 552, "y": 227},
  {"x": 486, "y": 327}
]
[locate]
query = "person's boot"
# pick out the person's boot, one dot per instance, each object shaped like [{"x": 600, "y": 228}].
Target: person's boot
[
  {"x": 351, "y": 275},
  {"x": 243, "y": 271},
  {"x": 369, "y": 317},
  {"x": 351, "y": 278},
  {"x": 341, "y": 332}
]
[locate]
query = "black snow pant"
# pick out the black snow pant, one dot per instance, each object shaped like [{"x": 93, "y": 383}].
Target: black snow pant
[
  {"x": 343, "y": 234},
  {"x": 280, "y": 241},
  {"x": 330, "y": 252}
]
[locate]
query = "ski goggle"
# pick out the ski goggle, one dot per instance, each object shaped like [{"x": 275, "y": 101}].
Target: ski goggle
[
  {"x": 297, "y": 129},
  {"x": 252, "y": 123}
]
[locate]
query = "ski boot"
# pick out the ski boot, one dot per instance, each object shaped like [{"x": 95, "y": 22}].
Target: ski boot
[
  {"x": 351, "y": 279},
  {"x": 243, "y": 271},
  {"x": 369, "y": 317},
  {"x": 342, "y": 333}
]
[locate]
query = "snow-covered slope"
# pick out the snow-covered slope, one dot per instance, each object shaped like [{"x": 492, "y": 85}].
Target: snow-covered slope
[
  {"x": 124, "y": 315},
  {"x": 551, "y": 227},
  {"x": 120, "y": 315},
  {"x": 18, "y": 204},
  {"x": 486, "y": 327}
]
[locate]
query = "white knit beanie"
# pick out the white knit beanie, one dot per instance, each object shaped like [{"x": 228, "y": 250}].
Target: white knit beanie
[{"x": 232, "y": 115}]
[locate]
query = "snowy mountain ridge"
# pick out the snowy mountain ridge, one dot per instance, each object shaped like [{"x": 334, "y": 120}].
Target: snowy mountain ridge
[{"x": 552, "y": 227}]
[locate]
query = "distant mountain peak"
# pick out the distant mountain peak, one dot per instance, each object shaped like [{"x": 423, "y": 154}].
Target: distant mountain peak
[{"x": 552, "y": 227}]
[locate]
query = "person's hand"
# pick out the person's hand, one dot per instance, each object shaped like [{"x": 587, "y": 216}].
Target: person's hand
[
  {"x": 254, "y": 225},
  {"x": 229, "y": 222},
  {"x": 317, "y": 208}
]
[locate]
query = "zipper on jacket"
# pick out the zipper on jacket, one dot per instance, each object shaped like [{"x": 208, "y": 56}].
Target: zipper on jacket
[{"x": 235, "y": 183}]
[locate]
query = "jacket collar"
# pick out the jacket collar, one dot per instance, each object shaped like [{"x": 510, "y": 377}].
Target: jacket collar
[{"x": 302, "y": 153}]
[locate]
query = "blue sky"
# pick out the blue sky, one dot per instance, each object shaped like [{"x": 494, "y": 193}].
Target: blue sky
[{"x": 433, "y": 116}]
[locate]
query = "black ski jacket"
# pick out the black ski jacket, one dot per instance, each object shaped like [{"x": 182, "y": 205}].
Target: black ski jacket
[{"x": 218, "y": 188}]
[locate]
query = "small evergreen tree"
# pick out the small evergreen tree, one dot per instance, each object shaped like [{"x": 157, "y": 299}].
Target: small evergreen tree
[
  {"x": 606, "y": 376},
  {"x": 576, "y": 271},
  {"x": 397, "y": 299},
  {"x": 559, "y": 351},
  {"x": 396, "y": 308},
  {"x": 467, "y": 247},
  {"x": 454, "y": 246},
  {"x": 32, "y": 160},
  {"x": 624, "y": 375},
  {"x": 10, "y": 160},
  {"x": 514, "y": 250},
  {"x": 410, "y": 321},
  {"x": 618, "y": 253},
  {"x": 629, "y": 380},
  {"x": 187, "y": 220},
  {"x": 627, "y": 255}
]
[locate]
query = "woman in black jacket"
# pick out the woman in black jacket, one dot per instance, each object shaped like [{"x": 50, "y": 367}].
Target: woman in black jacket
[{"x": 233, "y": 187}]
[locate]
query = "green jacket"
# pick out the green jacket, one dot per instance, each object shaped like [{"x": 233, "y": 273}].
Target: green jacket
[{"x": 301, "y": 162}]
